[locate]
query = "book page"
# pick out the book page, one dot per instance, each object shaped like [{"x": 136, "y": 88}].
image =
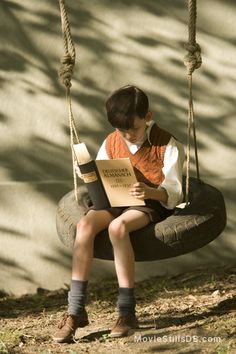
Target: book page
[{"x": 118, "y": 176}]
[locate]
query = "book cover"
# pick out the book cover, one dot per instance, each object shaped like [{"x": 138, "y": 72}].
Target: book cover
[{"x": 90, "y": 176}]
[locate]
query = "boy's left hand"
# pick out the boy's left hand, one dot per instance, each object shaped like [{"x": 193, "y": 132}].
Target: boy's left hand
[{"x": 140, "y": 190}]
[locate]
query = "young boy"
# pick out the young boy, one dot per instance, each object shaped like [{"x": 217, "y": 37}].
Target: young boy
[{"x": 157, "y": 159}]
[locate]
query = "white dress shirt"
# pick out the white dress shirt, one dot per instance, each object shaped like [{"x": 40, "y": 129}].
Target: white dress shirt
[{"x": 172, "y": 169}]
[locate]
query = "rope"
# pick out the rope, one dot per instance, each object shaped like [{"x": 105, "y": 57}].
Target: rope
[
  {"x": 192, "y": 61},
  {"x": 65, "y": 73}
]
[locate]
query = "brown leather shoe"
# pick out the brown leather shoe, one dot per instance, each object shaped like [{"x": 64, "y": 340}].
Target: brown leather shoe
[
  {"x": 125, "y": 326},
  {"x": 67, "y": 327}
]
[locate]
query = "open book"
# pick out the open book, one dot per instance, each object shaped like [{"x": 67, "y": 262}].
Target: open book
[
  {"x": 117, "y": 176},
  {"x": 108, "y": 181}
]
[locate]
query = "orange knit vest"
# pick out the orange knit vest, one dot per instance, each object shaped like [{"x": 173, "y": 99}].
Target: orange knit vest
[{"x": 148, "y": 161}]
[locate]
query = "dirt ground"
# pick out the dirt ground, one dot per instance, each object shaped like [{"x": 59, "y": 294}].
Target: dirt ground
[{"x": 190, "y": 313}]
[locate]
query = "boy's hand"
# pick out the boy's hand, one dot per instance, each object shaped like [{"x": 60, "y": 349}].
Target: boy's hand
[{"x": 140, "y": 190}]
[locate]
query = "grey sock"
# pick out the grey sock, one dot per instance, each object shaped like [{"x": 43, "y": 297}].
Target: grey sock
[
  {"x": 77, "y": 296},
  {"x": 126, "y": 301}
]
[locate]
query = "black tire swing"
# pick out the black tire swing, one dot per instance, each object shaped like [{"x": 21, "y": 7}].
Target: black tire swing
[{"x": 201, "y": 220}]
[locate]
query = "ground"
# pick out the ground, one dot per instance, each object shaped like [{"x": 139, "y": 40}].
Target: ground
[{"x": 189, "y": 313}]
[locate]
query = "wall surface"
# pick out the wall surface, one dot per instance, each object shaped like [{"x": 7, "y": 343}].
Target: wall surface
[{"x": 139, "y": 42}]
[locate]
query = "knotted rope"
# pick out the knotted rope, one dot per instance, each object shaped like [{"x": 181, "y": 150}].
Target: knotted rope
[
  {"x": 65, "y": 73},
  {"x": 192, "y": 61}
]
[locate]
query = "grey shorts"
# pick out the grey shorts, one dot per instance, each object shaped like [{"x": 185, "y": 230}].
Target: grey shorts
[{"x": 153, "y": 209}]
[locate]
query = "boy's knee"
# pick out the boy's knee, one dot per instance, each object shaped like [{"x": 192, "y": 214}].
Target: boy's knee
[
  {"x": 84, "y": 227},
  {"x": 84, "y": 224},
  {"x": 117, "y": 230}
]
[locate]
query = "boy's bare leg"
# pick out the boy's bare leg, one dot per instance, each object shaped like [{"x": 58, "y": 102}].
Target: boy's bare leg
[
  {"x": 119, "y": 230},
  {"x": 88, "y": 227}
]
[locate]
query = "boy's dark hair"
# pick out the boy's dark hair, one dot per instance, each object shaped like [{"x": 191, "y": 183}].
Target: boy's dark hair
[{"x": 124, "y": 105}]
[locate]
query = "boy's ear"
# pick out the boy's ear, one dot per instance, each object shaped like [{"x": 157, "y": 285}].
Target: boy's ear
[{"x": 148, "y": 116}]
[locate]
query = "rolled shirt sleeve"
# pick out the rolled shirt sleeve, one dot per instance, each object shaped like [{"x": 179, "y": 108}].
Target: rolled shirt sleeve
[{"x": 172, "y": 170}]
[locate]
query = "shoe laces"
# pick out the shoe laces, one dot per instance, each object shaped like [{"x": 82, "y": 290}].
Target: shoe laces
[
  {"x": 122, "y": 320},
  {"x": 64, "y": 320}
]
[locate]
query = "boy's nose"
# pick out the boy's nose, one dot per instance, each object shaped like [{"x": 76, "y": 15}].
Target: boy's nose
[{"x": 129, "y": 136}]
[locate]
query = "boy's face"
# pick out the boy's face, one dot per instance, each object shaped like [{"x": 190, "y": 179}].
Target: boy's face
[{"x": 138, "y": 131}]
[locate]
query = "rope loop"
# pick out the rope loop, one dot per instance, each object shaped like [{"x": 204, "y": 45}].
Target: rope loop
[
  {"x": 66, "y": 70},
  {"x": 192, "y": 59},
  {"x": 68, "y": 60}
]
